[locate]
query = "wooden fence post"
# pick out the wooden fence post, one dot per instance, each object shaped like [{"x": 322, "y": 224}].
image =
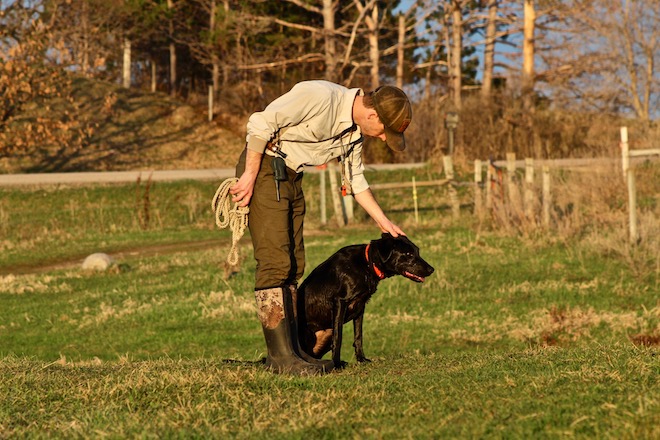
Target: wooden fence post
[
  {"x": 629, "y": 178},
  {"x": 489, "y": 186},
  {"x": 453, "y": 196},
  {"x": 126, "y": 66},
  {"x": 414, "y": 190},
  {"x": 512, "y": 188},
  {"x": 210, "y": 103},
  {"x": 510, "y": 168},
  {"x": 347, "y": 204},
  {"x": 334, "y": 193},
  {"x": 625, "y": 155},
  {"x": 322, "y": 185},
  {"x": 546, "y": 196},
  {"x": 529, "y": 189},
  {"x": 478, "y": 208}
]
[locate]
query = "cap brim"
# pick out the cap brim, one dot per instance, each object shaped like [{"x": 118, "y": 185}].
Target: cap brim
[{"x": 395, "y": 140}]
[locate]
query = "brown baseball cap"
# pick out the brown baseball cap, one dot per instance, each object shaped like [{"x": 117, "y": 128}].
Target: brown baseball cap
[{"x": 395, "y": 112}]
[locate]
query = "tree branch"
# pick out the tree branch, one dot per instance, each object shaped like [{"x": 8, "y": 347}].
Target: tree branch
[
  {"x": 305, "y": 6},
  {"x": 308, "y": 58}
]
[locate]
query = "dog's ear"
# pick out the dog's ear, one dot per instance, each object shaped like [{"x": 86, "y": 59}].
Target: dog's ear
[
  {"x": 383, "y": 247},
  {"x": 411, "y": 246},
  {"x": 409, "y": 242},
  {"x": 385, "y": 235}
]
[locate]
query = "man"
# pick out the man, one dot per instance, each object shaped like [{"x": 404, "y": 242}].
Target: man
[{"x": 315, "y": 122}]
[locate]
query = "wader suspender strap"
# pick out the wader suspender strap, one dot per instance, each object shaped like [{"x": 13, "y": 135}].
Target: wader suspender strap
[
  {"x": 346, "y": 182},
  {"x": 346, "y": 187},
  {"x": 278, "y": 135}
]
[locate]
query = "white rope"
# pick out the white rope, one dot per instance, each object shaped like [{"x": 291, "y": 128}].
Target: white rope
[{"x": 236, "y": 218}]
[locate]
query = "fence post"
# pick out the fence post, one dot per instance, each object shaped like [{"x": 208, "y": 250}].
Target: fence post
[
  {"x": 489, "y": 186},
  {"x": 347, "y": 203},
  {"x": 334, "y": 193},
  {"x": 322, "y": 185},
  {"x": 453, "y": 197},
  {"x": 625, "y": 155},
  {"x": 512, "y": 188},
  {"x": 510, "y": 168},
  {"x": 546, "y": 196},
  {"x": 529, "y": 189},
  {"x": 414, "y": 186},
  {"x": 210, "y": 103},
  {"x": 126, "y": 67},
  {"x": 478, "y": 208}
]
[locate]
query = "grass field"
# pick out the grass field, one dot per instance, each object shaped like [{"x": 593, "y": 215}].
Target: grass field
[{"x": 514, "y": 336}]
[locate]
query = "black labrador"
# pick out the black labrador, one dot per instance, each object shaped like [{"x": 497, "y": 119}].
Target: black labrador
[{"x": 337, "y": 291}]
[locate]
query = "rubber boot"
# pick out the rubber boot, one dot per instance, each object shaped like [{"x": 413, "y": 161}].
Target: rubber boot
[
  {"x": 291, "y": 305},
  {"x": 281, "y": 356}
]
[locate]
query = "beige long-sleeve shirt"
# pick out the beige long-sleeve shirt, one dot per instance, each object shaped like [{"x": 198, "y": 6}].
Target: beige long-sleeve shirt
[{"x": 308, "y": 121}]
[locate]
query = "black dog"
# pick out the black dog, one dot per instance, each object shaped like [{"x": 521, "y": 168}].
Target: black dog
[{"x": 337, "y": 291}]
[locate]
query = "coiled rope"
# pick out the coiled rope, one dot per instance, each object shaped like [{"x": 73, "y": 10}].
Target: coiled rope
[{"x": 235, "y": 217}]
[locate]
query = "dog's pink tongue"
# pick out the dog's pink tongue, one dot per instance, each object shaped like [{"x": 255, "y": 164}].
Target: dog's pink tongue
[{"x": 415, "y": 277}]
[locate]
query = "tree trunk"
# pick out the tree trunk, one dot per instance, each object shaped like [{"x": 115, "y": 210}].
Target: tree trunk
[
  {"x": 374, "y": 52},
  {"x": 170, "y": 5},
  {"x": 528, "y": 54},
  {"x": 126, "y": 74},
  {"x": 84, "y": 65},
  {"x": 153, "y": 74},
  {"x": 457, "y": 52},
  {"x": 489, "y": 51},
  {"x": 329, "y": 38},
  {"x": 215, "y": 70},
  {"x": 400, "y": 51},
  {"x": 225, "y": 65},
  {"x": 641, "y": 104}
]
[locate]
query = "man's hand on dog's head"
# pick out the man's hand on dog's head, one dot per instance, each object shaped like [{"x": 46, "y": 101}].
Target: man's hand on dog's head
[{"x": 391, "y": 229}]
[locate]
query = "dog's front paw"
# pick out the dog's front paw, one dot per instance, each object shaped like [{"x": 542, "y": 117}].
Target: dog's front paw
[
  {"x": 341, "y": 365},
  {"x": 363, "y": 359}
]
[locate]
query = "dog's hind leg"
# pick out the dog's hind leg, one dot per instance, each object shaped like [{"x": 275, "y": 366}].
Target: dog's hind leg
[{"x": 323, "y": 342}]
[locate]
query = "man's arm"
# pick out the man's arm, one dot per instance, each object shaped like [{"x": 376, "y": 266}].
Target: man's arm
[
  {"x": 243, "y": 190},
  {"x": 368, "y": 202}
]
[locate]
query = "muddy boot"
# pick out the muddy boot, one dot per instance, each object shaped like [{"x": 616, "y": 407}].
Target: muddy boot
[
  {"x": 281, "y": 356},
  {"x": 291, "y": 305}
]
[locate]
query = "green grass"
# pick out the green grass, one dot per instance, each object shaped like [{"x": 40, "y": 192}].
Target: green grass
[
  {"x": 599, "y": 391},
  {"x": 510, "y": 338}
]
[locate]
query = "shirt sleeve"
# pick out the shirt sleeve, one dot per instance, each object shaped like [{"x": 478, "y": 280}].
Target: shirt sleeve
[{"x": 290, "y": 109}]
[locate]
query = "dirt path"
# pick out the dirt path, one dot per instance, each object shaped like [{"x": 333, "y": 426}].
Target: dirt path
[{"x": 144, "y": 251}]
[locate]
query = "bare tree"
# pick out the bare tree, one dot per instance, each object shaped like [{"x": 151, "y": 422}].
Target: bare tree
[
  {"x": 369, "y": 12},
  {"x": 327, "y": 9},
  {"x": 329, "y": 38},
  {"x": 172, "y": 47},
  {"x": 489, "y": 50},
  {"x": 529, "y": 20},
  {"x": 456, "y": 52},
  {"x": 605, "y": 56}
]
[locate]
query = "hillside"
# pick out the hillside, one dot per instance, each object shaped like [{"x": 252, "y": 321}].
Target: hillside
[{"x": 133, "y": 129}]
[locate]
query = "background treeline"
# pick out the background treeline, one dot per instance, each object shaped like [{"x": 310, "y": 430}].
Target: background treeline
[{"x": 541, "y": 78}]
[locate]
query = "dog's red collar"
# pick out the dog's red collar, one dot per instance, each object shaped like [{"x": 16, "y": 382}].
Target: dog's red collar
[{"x": 379, "y": 273}]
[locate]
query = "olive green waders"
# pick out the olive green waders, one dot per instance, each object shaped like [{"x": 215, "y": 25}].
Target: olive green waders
[{"x": 276, "y": 228}]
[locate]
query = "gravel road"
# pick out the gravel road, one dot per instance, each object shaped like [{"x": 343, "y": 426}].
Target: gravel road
[{"x": 217, "y": 174}]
